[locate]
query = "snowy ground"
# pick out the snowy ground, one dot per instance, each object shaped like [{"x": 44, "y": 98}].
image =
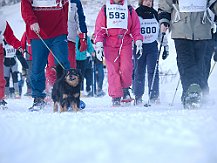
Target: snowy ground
[{"x": 103, "y": 134}]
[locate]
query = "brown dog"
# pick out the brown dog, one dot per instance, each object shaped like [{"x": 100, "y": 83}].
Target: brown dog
[{"x": 66, "y": 91}]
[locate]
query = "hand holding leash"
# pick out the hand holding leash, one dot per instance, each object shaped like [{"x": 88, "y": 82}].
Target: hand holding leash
[{"x": 35, "y": 27}]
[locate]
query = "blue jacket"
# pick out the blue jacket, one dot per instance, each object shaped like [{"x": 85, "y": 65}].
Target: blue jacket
[{"x": 83, "y": 55}]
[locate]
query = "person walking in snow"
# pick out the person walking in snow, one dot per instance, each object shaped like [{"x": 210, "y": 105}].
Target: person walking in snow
[
  {"x": 98, "y": 70},
  {"x": 149, "y": 23},
  {"x": 76, "y": 26},
  {"x": 26, "y": 45},
  {"x": 7, "y": 33},
  {"x": 82, "y": 60},
  {"x": 45, "y": 20},
  {"x": 11, "y": 69},
  {"x": 117, "y": 24},
  {"x": 191, "y": 29}
]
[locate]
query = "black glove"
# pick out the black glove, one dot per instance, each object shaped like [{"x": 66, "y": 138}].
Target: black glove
[
  {"x": 165, "y": 52},
  {"x": 22, "y": 60},
  {"x": 215, "y": 54}
]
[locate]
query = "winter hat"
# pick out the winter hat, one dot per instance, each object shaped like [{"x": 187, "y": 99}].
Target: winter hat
[
  {"x": 141, "y": 2},
  {"x": 121, "y": 1}
]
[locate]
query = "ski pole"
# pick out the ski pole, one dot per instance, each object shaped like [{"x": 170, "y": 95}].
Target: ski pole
[
  {"x": 50, "y": 50},
  {"x": 155, "y": 71},
  {"x": 93, "y": 76},
  {"x": 171, "y": 104}
]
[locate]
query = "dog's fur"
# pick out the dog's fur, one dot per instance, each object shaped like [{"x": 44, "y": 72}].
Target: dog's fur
[{"x": 66, "y": 91}]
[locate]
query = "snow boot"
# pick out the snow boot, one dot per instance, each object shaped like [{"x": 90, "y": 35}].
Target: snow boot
[
  {"x": 155, "y": 101},
  {"x": 116, "y": 101},
  {"x": 192, "y": 97},
  {"x": 100, "y": 93},
  {"x": 138, "y": 100},
  {"x": 126, "y": 98},
  {"x": 3, "y": 104},
  {"x": 38, "y": 104}
]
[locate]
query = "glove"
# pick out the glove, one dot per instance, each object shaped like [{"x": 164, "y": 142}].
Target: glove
[
  {"x": 82, "y": 45},
  {"x": 99, "y": 51},
  {"x": 215, "y": 54},
  {"x": 139, "y": 48},
  {"x": 165, "y": 52},
  {"x": 35, "y": 27}
]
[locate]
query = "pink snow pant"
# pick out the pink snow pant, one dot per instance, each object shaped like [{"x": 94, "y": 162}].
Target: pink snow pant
[
  {"x": 2, "y": 79},
  {"x": 119, "y": 72}
]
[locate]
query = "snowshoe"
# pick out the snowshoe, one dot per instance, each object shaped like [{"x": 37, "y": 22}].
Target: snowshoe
[
  {"x": 3, "y": 105},
  {"x": 38, "y": 104},
  {"x": 192, "y": 100},
  {"x": 127, "y": 98}
]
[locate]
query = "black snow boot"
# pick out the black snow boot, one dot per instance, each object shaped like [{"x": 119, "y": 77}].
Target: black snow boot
[
  {"x": 38, "y": 104},
  {"x": 3, "y": 104}
]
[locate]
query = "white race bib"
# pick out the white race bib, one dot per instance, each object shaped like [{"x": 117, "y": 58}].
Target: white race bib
[
  {"x": 149, "y": 29},
  {"x": 10, "y": 51},
  {"x": 192, "y": 5},
  {"x": 44, "y": 3},
  {"x": 116, "y": 15}
]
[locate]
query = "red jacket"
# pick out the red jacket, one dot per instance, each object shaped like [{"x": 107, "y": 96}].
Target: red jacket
[
  {"x": 52, "y": 20},
  {"x": 10, "y": 38}
]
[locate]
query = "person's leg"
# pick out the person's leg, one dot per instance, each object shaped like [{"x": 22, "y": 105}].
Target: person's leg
[
  {"x": 207, "y": 65},
  {"x": 28, "y": 81},
  {"x": 100, "y": 75},
  {"x": 14, "y": 73},
  {"x": 39, "y": 60},
  {"x": 59, "y": 47},
  {"x": 126, "y": 66},
  {"x": 190, "y": 62},
  {"x": 152, "y": 58},
  {"x": 7, "y": 80},
  {"x": 139, "y": 74},
  {"x": 114, "y": 78},
  {"x": 72, "y": 59},
  {"x": 88, "y": 75},
  {"x": 81, "y": 65}
]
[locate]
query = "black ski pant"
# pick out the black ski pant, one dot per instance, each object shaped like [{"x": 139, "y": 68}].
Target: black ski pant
[
  {"x": 190, "y": 61},
  {"x": 207, "y": 63}
]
